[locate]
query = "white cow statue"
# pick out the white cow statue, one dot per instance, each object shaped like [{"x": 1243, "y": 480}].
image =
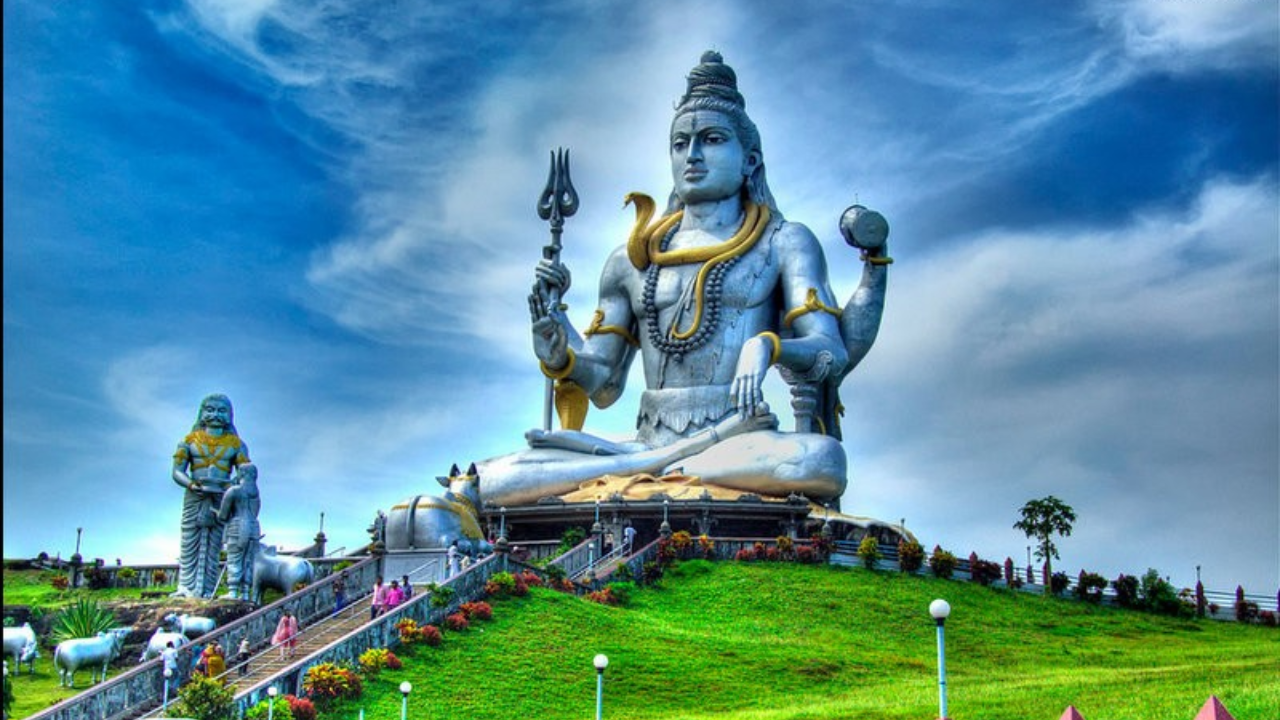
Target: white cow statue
[
  {"x": 91, "y": 653},
  {"x": 159, "y": 640},
  {"x": 21, "y": 644},
  {"x": 429, "y": 522},
  {"x": 282, "y": 572},
  {"x": 193, "y": 626}
]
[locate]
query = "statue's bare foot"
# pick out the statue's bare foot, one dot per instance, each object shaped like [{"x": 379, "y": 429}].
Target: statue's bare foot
[{"x": 736, "y": 424}]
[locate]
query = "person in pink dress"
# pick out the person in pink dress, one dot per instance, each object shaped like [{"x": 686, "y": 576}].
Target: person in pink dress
[
  {"x": 395, "y": 595},
  {"x": 286, "y": 635},
  {"x": 379, "y": 598}
]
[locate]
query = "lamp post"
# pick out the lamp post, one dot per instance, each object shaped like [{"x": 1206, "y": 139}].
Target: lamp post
[
  {"x": 596, "y": 528},
  {"x": 405, "y": 689},
  {"x": 502, "y": 522},
  {"x": 271, "y": 702},
  {"x": 601, "y": 662},
  {"x": 940, "y": 609}
]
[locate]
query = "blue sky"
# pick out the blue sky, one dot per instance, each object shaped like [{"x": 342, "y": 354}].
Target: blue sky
[{"x": 326, "y": 211}]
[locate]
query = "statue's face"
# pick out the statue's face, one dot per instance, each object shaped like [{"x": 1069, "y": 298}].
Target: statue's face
[
  {"x": 708, "y": 161},
  {"x": 215, "y": 413}
]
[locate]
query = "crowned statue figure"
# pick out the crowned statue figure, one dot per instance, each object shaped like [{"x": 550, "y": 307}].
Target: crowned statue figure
[
  {"x": 202, "y": 466},
  {"x": 710, "y": 295}
]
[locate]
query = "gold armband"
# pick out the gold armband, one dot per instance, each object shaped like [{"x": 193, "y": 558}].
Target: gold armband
[
  {"x": 811, "y": 304},
  {"x": 773, "y": 338},
  {"x": 876, "y": 259},
  {"x": 597, "y": 329},
  {"x": 563, "y": 372}
]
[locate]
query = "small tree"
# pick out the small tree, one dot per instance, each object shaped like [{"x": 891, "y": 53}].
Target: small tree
[
  {"x": 942, "y": 563},
  {"x": 910, "y": 555},
  {"x": 869, "y": 552},
  {"x": 203, "y": 699},
  {"x": 1041, "y": 520}
]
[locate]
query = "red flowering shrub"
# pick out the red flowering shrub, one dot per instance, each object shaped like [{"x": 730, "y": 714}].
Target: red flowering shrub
[
  {"x": 666, "y": 551},
  {"x": 478, "y": 610},
  {"x": 457, "y": 621},
  {"x": 772, "y": 554},
  {"x": 409, "y": 631},
  {"x": 942, "y": 563},
  {"x": 682, "y": 543},
  {"x": 1089, "y": 586},
  {"x": 910, "y": 556},
  {"x": 759, "y": 550},
  {"x": 373, "y": 660},
  {"x": 822, "y": 546},
  {"x": 745, "y": 555},
  {"x": 328, "y": 682},
  {"x": 60, "y": 582},
  {"x": 531, "y": 578},
  {"x": 785, "y": 545},
  {"x": 706, "y": 548},
  {"x": 301, "y": 708},
  {"x": 806, "y": 554},
  {"x": 984, "y": 572},
  {"x": 521, "y": 589},
  {"x": 431, "y": 635},
  {"x": 604, "y": 597},
  {"x": 501, "y": 585}
]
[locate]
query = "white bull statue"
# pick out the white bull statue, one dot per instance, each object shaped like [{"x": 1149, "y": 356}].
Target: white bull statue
[
  {"x": 91, "y": 653},
  {"x": 430, "y": 522},
  {"x": 159, "y": 640},
  {"x": 21, "y": 644},
  {"x": 282, "y": 572},
  {"x": 192, "y": 626}
]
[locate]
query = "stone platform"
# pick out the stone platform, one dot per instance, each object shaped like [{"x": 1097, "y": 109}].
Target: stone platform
[{"x": 743, "y": 516}]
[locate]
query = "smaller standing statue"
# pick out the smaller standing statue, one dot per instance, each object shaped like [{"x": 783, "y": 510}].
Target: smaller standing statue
[
  {"x": 282, "y": 572},
  {"x": 202, "y": 466},
  {"x": 239, "y": 511}
]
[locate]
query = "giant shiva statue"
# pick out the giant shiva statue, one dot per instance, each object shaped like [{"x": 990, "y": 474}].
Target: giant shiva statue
[{"x": 711, "y": 295}]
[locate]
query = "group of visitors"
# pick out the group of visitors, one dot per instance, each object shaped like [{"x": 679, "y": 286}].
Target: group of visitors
[
  {"x": 211, "y": 662},
  {"x": 386, "y": 598}
]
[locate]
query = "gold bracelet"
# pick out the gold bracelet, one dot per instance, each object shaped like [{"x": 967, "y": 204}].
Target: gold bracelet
[
  {"x": 811, "y": 304},
  {"x": 876, "y": 259},
  {"x": 563, "y": 372},
  {"x": 777, "y": 345}
]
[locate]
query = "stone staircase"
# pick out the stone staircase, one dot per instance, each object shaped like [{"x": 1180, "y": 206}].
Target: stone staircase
[{"x": 267, "y": 661}]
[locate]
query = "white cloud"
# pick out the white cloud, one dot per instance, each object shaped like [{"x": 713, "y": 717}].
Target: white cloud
[
  {"x": 1132, "y": 372},
  {"x": 1192, "y": 35}
]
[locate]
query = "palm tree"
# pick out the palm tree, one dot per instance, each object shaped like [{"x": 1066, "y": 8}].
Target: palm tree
[{"x": 1042, "y": 519}]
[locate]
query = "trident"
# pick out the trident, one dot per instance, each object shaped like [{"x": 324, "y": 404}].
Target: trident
[{"x": 558, "y": 201}]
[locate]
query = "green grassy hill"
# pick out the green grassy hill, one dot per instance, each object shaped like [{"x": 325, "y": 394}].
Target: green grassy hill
[{"x": 781, "y": 641}]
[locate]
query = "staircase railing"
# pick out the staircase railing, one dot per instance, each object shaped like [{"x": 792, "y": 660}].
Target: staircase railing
[
  {"x": 380, "y": 632},
  {"x": 142, "y": 688}
]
